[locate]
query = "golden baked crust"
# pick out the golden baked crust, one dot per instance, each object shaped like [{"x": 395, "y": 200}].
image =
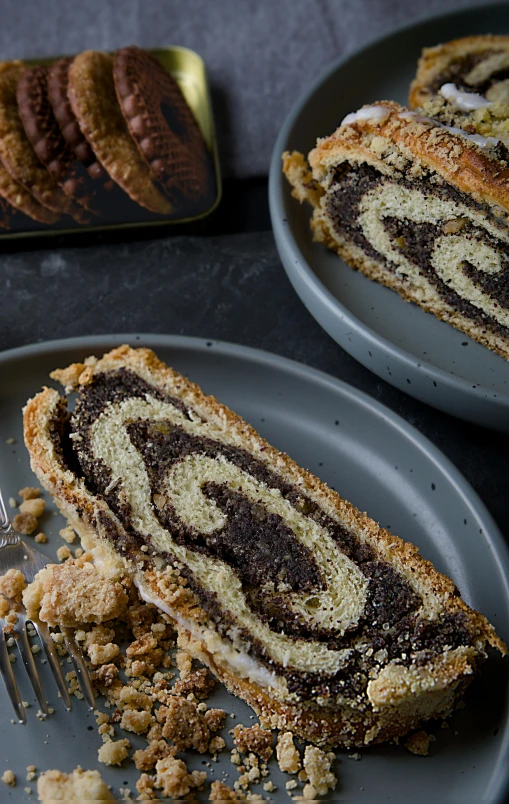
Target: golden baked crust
[
  {"x": 434, "y": 61},
  {"x": 390, "y": 711},
  {"x": 457, "y": 160}
]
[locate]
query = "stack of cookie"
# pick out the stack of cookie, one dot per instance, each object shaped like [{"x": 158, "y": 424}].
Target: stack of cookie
[{"x": 97, "y": 139}]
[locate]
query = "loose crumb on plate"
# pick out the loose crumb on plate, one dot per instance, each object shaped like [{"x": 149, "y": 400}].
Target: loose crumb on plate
[
  {"x": 8, "y": 778},
  {"x": 29, "y": 493},
  {"x": 221, "y": 792},
  {"x": 63, "y": 553},
  {"x": 287, "y": 755},
  {"x": 74, "y": 593},
  {"x": 113, "y": 752},
  {"x": 12, "y": 583},
  {"x": 68, "y": 534},
  {"x": 418, "y": 743},
  {"x": 33, "y": 506},
  {"x": 80, "y": 785},
  {"x": 25, "y": 523},
  {"x": 173, "y": 779},
  {"x": 253, "y": 740},
  {"x": 317, "y": 766}
]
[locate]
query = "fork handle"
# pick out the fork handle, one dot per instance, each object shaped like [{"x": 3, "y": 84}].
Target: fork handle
[{"x": 7, "y": 534}]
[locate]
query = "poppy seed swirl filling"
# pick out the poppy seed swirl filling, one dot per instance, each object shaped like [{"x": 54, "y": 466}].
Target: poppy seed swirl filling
[
  {"x": 305, "y": 598},
  {"x": 475, "y": 72},
  {"x": 430, "y": 235}
]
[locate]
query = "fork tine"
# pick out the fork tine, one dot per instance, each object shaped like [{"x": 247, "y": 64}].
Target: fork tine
[
  {"x": 26, "y": 654},
  {"x": 79, "y": 665},
  {"x": 10, "y": 682},
  {"x": 52, "y": 656}
]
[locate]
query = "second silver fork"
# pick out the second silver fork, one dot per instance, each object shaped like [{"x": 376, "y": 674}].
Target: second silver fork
[{"x": 16, "y": 554}]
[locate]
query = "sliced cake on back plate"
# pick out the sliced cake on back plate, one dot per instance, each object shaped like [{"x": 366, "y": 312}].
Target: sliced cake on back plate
[
  {"x": 421, "y": 207},
  {"x": 474, "y": 64},
  {"x": 322, "y": 621}
]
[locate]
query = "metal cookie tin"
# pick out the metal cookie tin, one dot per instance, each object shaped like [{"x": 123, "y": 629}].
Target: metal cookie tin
[{"x": 189, "y": 71}]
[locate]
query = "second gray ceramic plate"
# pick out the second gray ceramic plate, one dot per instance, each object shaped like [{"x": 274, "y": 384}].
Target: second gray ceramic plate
[
  {"x": 376, "y": 460},
  {"x": 399, "y": 342}
]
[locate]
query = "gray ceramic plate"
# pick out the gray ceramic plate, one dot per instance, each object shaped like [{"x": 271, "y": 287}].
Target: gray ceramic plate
[
  {"x": 402, "y": 344},
  {"x": 374, "y": 459}
]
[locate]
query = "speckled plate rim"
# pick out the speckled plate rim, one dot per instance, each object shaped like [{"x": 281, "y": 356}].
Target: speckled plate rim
[
  {"x": 317, "y": 297},
  {"x": 95, "y": 344}
]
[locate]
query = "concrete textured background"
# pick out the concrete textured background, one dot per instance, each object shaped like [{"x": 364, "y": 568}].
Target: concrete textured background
[{"x": 261, "y": 54}]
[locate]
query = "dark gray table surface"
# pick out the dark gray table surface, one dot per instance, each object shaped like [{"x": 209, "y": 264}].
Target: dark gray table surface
[{"x": 224, "y": 286}]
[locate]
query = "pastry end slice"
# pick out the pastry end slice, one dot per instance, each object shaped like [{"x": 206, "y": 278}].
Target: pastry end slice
[
  {"x": 326, "y": 624},
  {"x": 474, "y": 63},
  {"x": 419, "y": 206}
]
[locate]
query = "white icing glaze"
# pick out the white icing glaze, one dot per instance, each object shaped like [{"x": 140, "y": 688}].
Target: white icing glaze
[
  {"x": 377, "y": 114},
  {"x": 242, "y": 664},
  {"x": 478, "y": 139},
  {"x": 465, "y": 101}
]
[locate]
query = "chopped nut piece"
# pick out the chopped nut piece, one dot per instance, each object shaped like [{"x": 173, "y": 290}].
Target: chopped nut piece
[
  {"x": 113, "y": 752},
  {"x": 418, "y": 743},
  {"x": 41, "y": 538},
  {"x": 29, "y": 493},
  {"x": 13, "y": 502},
  {"x": 12, "y": 583},
  {"x": 67, "y": 534},
  {"x": 453, "y": 226},
  {"x": 254, "y": 739},
  {"x": 74, "y": 593},
  {"x": 25, "y": 523},
  {"x": 184, "y": 725},
  {"x": 173, "y": 778},
  {"x": 287, "y": 755},
  {"x": 35, "y": 507},
  {"x": 80, "y": 785},
  {"x": 317, "y": 766},
  {"x": 8, "y": 778}
]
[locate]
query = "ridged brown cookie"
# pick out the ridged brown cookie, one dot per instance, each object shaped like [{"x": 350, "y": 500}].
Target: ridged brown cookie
[
  {"x": 18, "y": 196},
  {"x": 44, "y": 133},
  {"x": 18, "y": 155},
  {"x": 93, "y": 99},
  {"x": 6, "y": 214},
  {"x": 58, "y": 79},
  {"x": 162, "y": 125}
]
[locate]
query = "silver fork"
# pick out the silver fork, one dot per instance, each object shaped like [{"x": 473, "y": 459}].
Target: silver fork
[{"x": 16, "y": 554}]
